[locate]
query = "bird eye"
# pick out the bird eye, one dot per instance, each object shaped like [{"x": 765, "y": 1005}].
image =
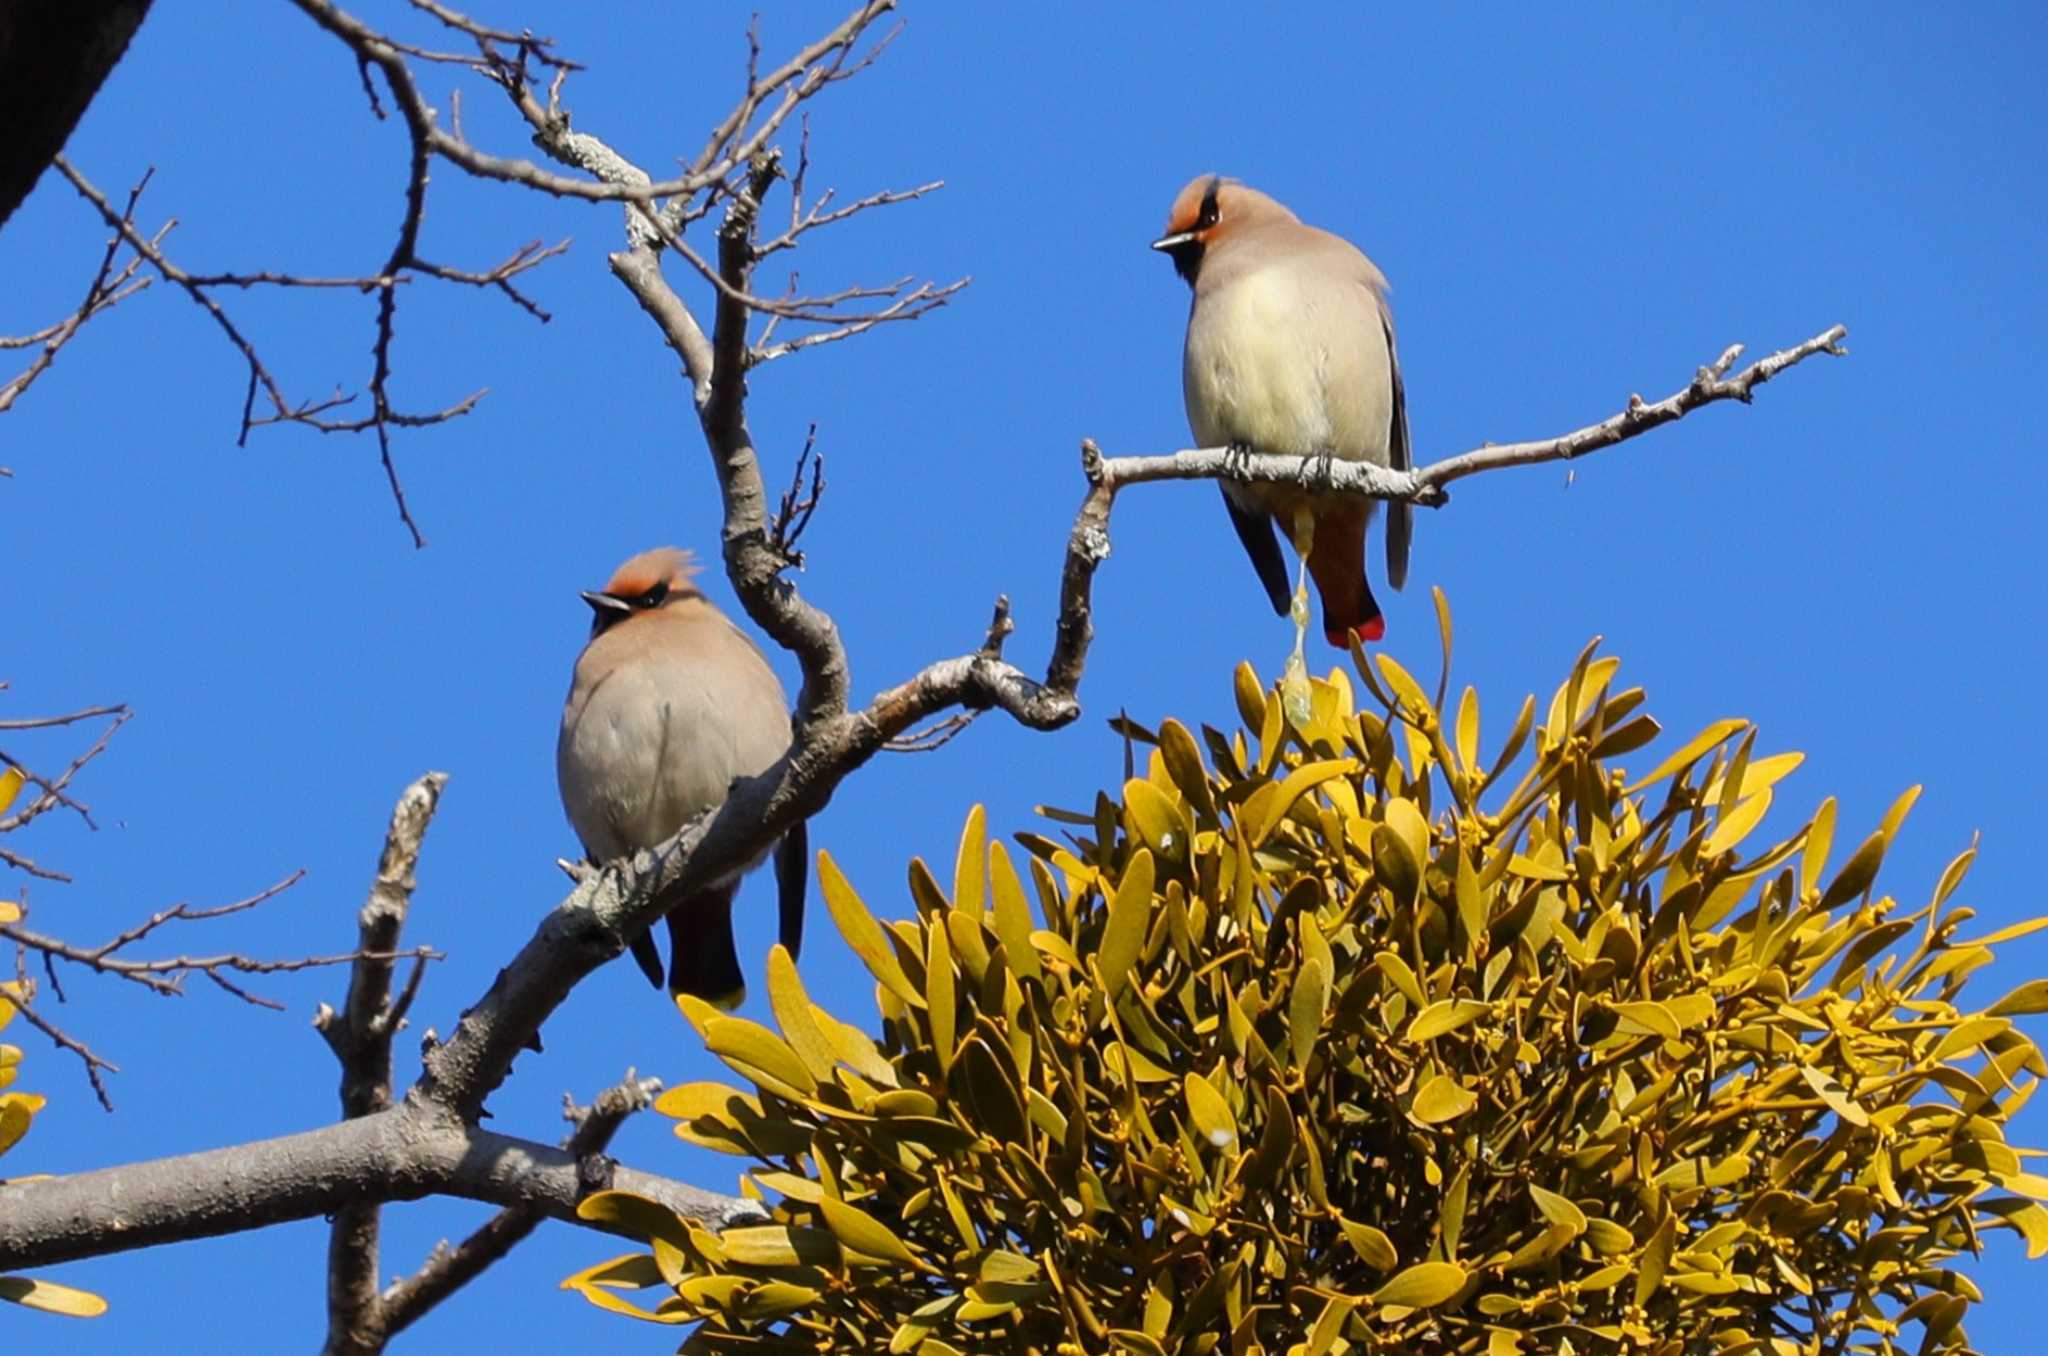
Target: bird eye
[
  {"x": 655, "y": 596},
  {"x": 1208, "y": 217}
]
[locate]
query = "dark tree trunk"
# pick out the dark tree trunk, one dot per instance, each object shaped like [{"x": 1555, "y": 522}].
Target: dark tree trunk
[{"x": 54, "y": 54}]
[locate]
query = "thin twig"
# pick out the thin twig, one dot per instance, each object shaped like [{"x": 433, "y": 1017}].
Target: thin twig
[
  {"x": 793, "y": 515},
  {"x": 63, "y": 1040},
  {"x": 107, "y": 290},
  {"x": 1425, "y": 485}
]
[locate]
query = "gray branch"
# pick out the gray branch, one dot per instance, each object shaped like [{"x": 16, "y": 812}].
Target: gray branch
[
  {"x": 405, "y": 1153},
  {"x": 360, "y": 1036},
  {"x": 447, "y": 1269},
  {"x": 1425, "y": 485}
]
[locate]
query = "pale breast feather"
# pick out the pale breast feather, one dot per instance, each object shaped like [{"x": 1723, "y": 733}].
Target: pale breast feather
[{"x": 1254, "y": 372}]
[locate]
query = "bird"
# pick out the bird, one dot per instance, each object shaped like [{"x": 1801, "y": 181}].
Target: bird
[
  {"x": 670, "y": 702},
  {"x": 1290, "y": 350}
]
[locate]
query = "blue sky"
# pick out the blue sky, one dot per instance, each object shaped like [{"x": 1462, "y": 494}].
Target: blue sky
[{"x": 1572, "y": 203}]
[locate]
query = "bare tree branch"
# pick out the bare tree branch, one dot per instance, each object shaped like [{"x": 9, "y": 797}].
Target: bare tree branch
[
  {"x": 51, "y": 793},
  {"x": 401, "y": 1154},
  {"x": 95, "y": 1064},
  {"x": 403, "y": 261},
  {"x": 107, "y": 290},
  {"x": 1425, "y": 485},
  {"x": 361, "y": 1036},
  {"x": 166, "y": 975},
  {"x": 447, "y": 1269}
]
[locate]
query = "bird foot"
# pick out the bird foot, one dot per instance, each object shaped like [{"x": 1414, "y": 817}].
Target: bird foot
[
  {"x": 1237, "y": 460},
  {"x": 1316, "y": 470}
]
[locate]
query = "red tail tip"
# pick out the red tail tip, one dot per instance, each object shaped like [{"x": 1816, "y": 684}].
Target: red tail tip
[{"x": 1365, "y": 631}]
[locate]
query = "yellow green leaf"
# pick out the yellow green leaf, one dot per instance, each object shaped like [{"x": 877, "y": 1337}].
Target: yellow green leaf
[
  {"x": 1422, "y": 1286},
  {"x": 1445, "y": 1016},
  {"x": 1441, "y": 1099},
  {"x": 1403, "y": 685},
  {"x": 1154, "y": 818},
  {"x": 1468, "y": 730},
  {"x": 10, "y": 787},
  {"x": 1013, "y": 922},
  {"x": 1130, "y": 915},
  {"x": 1210, "y": 1113},
  {"x": 1305, "y": 1010},
  {"x": 756, "y": 1053},
  {"x": 48, "y": 1296},
  {"x": 2017, "y": 930},
  {"x": 2030, "y": 997},
  {"x": 760, "y": 1245},
  {"x": 1813, "y": 856},
  {"x": 687, "y": 1101},
  {"x": 636, "y": 1216},
  {"x": 968, "y": 863},
  {"x": 1856, "y": 873},
  {"x": 1297, "y": 784},
  {"x": 2029, "y": 1219},
  {"x": 1372, "y": 1246},
  {"x": 1336, "y": 1308},
  {"x": 1837, "y": 1098},
  {"x": 861, "y": 1232},
  {"x": 938, "y": 995},
  {"x": 1689, "y": 753},
  {"x": 1896, "y": 816},
  {"x": 1403, "y": 978},
  {"x": 1737, "y": 824},
  {"x": 1652, "y": 1019},
  {"x": 792, "y": 1007},
  {"x": 1007, "y": 1268},
  {"x": 1655, "y": 1260},
  {"x": 862, "y": 932},
  {"x": 1558, "y": 1209}
]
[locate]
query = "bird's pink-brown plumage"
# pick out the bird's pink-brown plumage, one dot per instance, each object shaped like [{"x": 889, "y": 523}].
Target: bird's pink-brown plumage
[
  {"x": 1290, "y": 350},
  {"x": 668, "y": 705}
]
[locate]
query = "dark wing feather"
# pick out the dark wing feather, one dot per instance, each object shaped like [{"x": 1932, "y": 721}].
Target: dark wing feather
[
  {"x": 702, "y": 959},
  {"x": 1400, "y": 515},
  {"x": 647, "y": 957},
  {"x": 1262, "y": 544},
  {"x": 792, "y": 873}
]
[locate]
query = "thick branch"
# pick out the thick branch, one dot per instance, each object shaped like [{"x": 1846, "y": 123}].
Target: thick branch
[{"x": 401, "y": 1154}]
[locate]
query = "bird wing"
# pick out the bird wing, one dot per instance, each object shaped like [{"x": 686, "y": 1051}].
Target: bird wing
[
  {"x": 1400, "y": 514},
  {"x": 1255, "y": 529}
]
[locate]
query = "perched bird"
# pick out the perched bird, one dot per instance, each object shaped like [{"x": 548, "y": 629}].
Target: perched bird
[
  {"x": 669, "y": 703},
  {"x": 1290, "y": 350}
]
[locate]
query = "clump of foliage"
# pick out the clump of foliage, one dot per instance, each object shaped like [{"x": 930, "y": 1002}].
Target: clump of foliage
[
  {"x": 1348, "y": 1039},
  {"x": 17, "y": 1112}
]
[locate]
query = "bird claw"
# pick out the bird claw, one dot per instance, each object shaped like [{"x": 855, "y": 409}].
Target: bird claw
[{"x": 1316, "y": 471}]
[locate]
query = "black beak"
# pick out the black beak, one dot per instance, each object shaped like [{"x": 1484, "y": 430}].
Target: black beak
[
  {"x": 1174, "y": 242},
  {"x": 601, "y": 603}
]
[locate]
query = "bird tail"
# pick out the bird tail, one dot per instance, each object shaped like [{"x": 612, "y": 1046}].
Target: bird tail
[
  {"x": 647, "y": 957},
  {"x": 1337, "y": 563},
  {"x": 792, "y": 874},
  {"x": 702, "y": 959}
]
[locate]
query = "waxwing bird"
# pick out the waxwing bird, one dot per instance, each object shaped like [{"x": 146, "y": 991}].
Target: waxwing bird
[
  {"x": 1290, "y": 350},
  {"x": 669, "y": 703}
]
